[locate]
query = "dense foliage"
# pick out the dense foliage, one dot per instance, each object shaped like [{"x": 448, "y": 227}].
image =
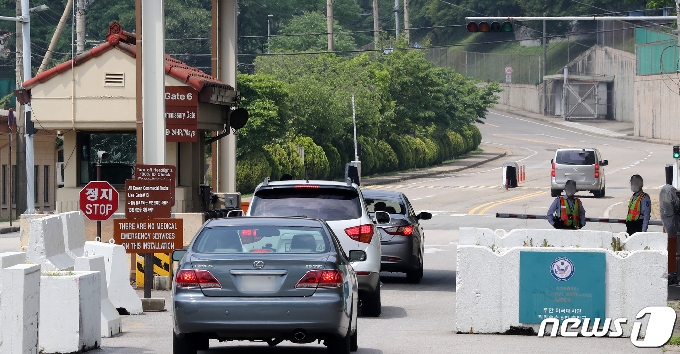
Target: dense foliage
[{"x": 409, "y": 114}]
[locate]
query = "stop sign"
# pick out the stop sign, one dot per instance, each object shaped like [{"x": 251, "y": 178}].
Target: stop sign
[{"x": 98, "y": 200}]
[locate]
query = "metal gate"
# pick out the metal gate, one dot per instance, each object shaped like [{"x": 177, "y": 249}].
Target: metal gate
[{"x": 582, "y": 100}]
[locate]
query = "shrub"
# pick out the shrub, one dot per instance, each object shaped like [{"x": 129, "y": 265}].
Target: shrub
[
  {"x": 251, "y": 169},
  {"x": 336, "y": 167},
  {"x": 390, "y": 162},
  {"x": 477, "y": 136},
  {"x": 288, "y": 159},
  {"x": 457, "y": 143},
  {"x": 368, "y": 159},
  {"x": 431, "y": 149},
  {"x": 403, "y": 150},
  {"x": 315, "y": 158}
]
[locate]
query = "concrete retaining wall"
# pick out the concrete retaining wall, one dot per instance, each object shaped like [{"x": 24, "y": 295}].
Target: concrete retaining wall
[
  {"x": 70, "y": 311},
  {"x": 656, "y": 107},
  {"x": 487, "y": 282},
  {"x": 20, "y": 308},
  {"x": 521, "y": 96},
  {"x": 121, "y": 293}
]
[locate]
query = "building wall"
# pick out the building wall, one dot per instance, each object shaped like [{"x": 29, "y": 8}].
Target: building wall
[
  {"x": 606, "y": 61},
  {"x": 656, "y": 105}
]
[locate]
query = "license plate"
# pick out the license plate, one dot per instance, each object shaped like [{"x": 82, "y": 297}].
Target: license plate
[{"x": 258, "y": 283}]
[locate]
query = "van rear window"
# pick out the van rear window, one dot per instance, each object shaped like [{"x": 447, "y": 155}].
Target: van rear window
[
  {"x": 319, "y": 203},
  {"x": 575, "y": 157}
]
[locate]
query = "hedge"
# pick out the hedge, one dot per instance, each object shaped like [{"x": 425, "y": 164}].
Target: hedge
[
  {"x": 288, "y": 159},
  {"x": 251, "y": 169},
  {"x": 401, "y": 147},
  {"x": 389, "y": 157},
  {"x": 458, "y": 144},
  {"x": 316, "y": 161},
  {"x": 337, "y": 167}
]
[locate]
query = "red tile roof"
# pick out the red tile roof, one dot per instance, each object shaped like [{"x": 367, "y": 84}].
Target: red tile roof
[{"x": 125, "y": 42}]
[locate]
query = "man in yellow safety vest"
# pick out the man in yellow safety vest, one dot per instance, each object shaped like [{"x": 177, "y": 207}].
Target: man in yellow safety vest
[
  {"x": 639, "y": 207},
  {"x": 567, "y": 212}
]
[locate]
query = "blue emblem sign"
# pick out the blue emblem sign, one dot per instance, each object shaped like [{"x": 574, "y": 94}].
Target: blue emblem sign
[{"x": 561, "y": 285}]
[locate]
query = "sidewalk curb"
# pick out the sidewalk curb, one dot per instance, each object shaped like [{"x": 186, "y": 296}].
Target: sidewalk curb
[
  {"x": 557, "y": 125},
  {"x": 7, "y": 230},
  {"x": 431, "y": 174}
]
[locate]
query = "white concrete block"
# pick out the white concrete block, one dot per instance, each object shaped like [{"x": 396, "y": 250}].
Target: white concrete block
[
  {"x": 487, "y": 281},
  {"x": 70, "y": 311},
  {"x": 20, "y": 308},
  {"x": 9, "y": 259},
  {"x": 46, "y": 244},
  {"x": 110, "y": 319},
  {"x": 121, "y": 293},
  {"x": 74, "y": 233}
]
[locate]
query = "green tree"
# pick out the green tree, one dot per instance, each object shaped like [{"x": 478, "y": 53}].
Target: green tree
[{"x": 310, "y": 23}]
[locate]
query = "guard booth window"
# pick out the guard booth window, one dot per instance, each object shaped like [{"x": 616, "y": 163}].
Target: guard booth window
[{"x": 122, "y": 149}]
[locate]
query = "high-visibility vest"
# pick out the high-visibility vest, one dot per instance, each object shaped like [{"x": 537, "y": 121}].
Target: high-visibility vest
[
  {"x": 634, "y": 207},
  {"x": 570, "y": 217}
]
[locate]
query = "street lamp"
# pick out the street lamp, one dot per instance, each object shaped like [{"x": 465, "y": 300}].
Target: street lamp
[{"x": 269, "y": 18}]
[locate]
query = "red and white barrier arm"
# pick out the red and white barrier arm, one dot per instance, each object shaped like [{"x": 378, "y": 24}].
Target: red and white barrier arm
[{"x": 545, "y": 217}]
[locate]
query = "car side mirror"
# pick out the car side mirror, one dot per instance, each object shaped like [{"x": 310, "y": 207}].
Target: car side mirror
[
  {"x": 234, "y": 213},
  {"x": 552, "y": 160},
  {"x": 604, "y": 163},
  {"x": 424, "y": 216},
  {"x": 178, "y": 254},
  {"x": 357, "y": 256},
  {"x": 382, "y": 217}
]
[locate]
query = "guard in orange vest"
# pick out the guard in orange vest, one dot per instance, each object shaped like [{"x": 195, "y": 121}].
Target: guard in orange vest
[
  {"x": 639, "y": 207},
  {"x": 567, "y": 212}
]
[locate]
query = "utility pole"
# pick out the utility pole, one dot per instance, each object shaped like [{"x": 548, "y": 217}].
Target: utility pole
[
  {"x": 376, "y": 24},
  {"x": 30, "y": 172},
  {"x": 269, "y": 33},
  {"x": 545, "y": 65},
  {"x": 329, "y": 23},
  {"x": 407, "y": 22},
  {"x": 55, "y": 37},
  {"x": 20, "y": 174},
  {"x": 80, "y": 26},
  {"x": 396, "y": 19}
]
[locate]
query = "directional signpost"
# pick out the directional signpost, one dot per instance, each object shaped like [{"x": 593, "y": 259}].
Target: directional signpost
[{"x": 98, "y": 201}]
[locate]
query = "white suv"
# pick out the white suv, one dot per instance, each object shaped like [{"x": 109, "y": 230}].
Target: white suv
[{"x": 343, "y": 208}]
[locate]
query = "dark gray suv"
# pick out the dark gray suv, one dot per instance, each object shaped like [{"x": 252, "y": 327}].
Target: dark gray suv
[{"x": 266, "y": 279}]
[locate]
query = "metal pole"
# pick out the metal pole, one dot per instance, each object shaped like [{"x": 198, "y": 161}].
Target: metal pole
[
  {"x": 575, "y": 18},
  {"x": 11, "y": 185},
  {"x": 30, "y": 197},
  {"x": 407, "y": 21},
  {"x": 564, "y": 94},
  {"x": 20, "y": 177},
  {"x": 329, "y": 24},
  {"x": 376, "y": 24},
  {"x": 99, "y": 178},
  {"x": 269, "y": 17},
  {"x": 545, "y": 66},
  {"x": 227, "y": 50},
  {"x": 354, "y": 121},
  {"x": 396, "y": 19}
]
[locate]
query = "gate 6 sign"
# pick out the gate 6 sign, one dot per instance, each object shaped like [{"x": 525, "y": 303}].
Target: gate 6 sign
[{"x": 98, "y": 200}]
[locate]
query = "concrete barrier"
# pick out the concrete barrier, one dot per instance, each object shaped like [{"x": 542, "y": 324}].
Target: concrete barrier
[
  {"x": 9, "y": 259},
  {"x": 46, "y": 244},
  {"x": 121, "y": 293},
  {"x": 488, "y": 273},
  {"x": 20, "y": 308},
  {"x": 110, "y": 319},
  {"x": 74, "y": 233},
  {"x": 70, "y": 312}
]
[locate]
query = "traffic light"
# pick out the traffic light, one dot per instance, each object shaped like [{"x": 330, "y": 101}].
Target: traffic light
[
  {"x": 494, "y": 26},
  {"x": 676, "y": 152}
]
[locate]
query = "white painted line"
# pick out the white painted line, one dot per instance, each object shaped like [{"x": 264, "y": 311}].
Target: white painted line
[
  {"x": 606, "y": 212},
  {"x": 429, "y": 196}
]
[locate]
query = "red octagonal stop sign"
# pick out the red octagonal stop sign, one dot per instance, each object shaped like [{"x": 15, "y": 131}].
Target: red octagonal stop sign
[{"x": 98, "y": 200}]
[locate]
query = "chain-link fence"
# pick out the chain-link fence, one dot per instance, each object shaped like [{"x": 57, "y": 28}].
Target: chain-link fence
[
  {"x": 526, "y": 69},
  {"x": 618, "y": 34}
]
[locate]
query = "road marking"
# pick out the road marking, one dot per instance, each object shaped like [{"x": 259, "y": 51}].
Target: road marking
[
  {"x": 493, "y": 125},
  {"x": 532, "y": 140},
  {"x": 606, "y": 212},
  {"x": 486, "y": 206},
  {"x": 429, "y": 196}
]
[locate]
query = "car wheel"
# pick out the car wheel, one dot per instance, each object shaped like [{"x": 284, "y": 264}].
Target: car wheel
[
  {"x": 202, "y": 343},
  {"x": 354, "y": 340},
  {"x": 555, "y": 192},
  {"x": 342, "y": 345},
  {"x": 602, "y": 193},
  {"x": 598, "y": 194},
  {"x": 184, "y": 345},
  {"x": 415, "y": 276},
  {"x": 370, "y": 304}
]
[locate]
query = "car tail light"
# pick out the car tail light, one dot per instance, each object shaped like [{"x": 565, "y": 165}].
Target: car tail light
[
  {"x": 553, "y": 170},
  {"x": 190, "y": 279},
  {"x": 400, "y": 230},
  {"x": 363, "y": 233},
  {"x": 261, "y": 251},
  {"x": 394, "y": 259},
  {"x": 597, "y": 171},
  {"x": 327, "y": 278},
  {"x": 307, "y": 186},
  {"x": 363, "y": 273}
]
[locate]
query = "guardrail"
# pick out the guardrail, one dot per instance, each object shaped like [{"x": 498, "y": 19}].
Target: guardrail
[{"x": 537, "y": 217}]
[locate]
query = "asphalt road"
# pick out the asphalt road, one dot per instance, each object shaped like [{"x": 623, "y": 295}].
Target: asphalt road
[{"x": 421, "y": 318}]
